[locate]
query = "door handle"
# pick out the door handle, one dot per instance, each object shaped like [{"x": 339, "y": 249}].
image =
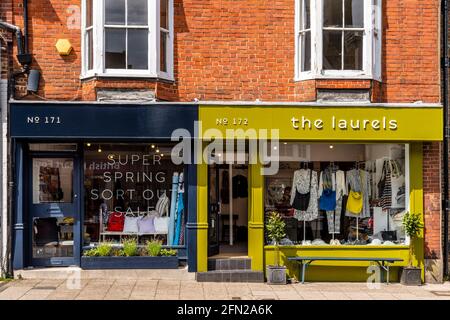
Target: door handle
[{"x": 75, "y": 196}]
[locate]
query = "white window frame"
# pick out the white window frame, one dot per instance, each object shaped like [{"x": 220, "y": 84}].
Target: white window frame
[
  {"x": 99, "y": 69},
  {"x": 371, "y": 44}
]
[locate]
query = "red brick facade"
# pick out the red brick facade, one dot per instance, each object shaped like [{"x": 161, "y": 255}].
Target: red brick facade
[
  {"x": 228, "y": 50},
  {"x": 432, "y": 199}
]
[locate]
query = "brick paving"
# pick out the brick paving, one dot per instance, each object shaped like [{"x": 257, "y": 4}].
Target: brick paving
[{"x": 184, "y": 287}]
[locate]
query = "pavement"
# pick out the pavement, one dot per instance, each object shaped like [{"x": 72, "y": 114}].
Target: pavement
[{"x": 178, "y": 284}]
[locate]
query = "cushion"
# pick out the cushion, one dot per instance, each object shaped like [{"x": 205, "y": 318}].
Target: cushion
[
  {"x": 162, "y": 206},
  {"x": 146, "y": 225},
  {"x": 131, "y": 225}
]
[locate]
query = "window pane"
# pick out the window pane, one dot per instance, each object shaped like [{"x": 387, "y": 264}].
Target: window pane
[
  {"x": 164, "y": 14},
  {"x": 306, "y": 15},
  {"x": 90, "y": 51},
  {"x": 53, "y": 237},
  {"x": 88, "y": 13},
  {"x": 332, "y": 13},
  {"x": 137, "y": 12},
  {"x": 52, "y": 180},
  {"x": 115, "y": 11},
  {"x": 332, "y": 50},
  {"x": 163, "y": 52},
  {"x": 354, "y": 13},
  {"x": 137, "y": 49},
  {"x": 353, "y": 50},
  {"x": 306, "y": 51},
  {"x": 115, "y": 57}
]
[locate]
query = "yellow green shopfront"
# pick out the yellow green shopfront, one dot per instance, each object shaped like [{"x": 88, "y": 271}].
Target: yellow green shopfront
[{"x": 314, "y": 137}]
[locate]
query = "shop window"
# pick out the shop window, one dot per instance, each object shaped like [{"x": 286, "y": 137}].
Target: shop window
[
  {"x": 341, "y": 194},
  {"x": 128, "y": 38},
  {"x": 129, "y": 194},
  {"x": 338, "y": 39}
]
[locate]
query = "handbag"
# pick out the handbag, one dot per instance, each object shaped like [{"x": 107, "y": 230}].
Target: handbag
[
  {"x": 301, "y": 200},
  {"x": 327, "y": 200},
  {"x": 355, "y": 201},
  {"x": 116, "y": 221}
]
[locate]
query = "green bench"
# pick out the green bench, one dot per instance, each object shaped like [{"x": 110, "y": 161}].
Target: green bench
[{"x": 384, "y": 263}]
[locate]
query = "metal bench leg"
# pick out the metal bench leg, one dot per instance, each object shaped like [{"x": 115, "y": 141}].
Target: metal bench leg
[
  {"x": 387, "y": 271},
  {"x": 304, "y": 266}
]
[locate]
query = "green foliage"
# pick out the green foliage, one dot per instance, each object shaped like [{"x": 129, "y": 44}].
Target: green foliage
[
  {"x": 168, "y": 252},
  {"x": 104, "y": 249},
  {"x": 412, "y": 224},
  {"x": 275, "y": 231},
  {"x": 154, "y": 248},
  {"x": 130, "y": 248},
  {"x": 275, "y": 228}
]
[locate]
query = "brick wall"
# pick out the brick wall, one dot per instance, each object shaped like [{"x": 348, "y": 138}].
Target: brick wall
[
  {"x": 243, "y": 50},
  {"x": 432, "y": 199}
]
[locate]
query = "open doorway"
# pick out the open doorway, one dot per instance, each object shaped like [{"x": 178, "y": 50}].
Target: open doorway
[{"x": 228, "y": 210}]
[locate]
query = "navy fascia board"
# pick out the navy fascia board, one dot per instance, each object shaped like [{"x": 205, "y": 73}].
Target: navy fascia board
[{"x": 93, "y": 120}]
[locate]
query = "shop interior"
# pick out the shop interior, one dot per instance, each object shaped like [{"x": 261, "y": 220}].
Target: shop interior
[{"x": 340, "y": 194}]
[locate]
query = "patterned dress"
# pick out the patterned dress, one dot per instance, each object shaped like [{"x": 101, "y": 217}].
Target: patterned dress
[{"x": 301, "y": 184}]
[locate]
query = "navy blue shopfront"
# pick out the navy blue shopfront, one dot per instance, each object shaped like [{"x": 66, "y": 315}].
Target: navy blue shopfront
[{"x": 57, "y": 151}]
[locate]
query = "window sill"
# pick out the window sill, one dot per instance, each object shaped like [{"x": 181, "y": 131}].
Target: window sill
[
  {"x": 336, "y": 76},
  {"x": 150, "y": 76}
]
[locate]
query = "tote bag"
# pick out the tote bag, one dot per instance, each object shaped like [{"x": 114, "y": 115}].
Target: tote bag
[{"x": 355, "y": 202}]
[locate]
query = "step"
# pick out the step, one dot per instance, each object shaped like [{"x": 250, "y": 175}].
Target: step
[
  {"x": 229, "y": 264},
  {"x": 230, "y": 276}
]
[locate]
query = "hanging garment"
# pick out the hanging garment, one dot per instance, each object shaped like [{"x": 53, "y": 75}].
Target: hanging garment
[
  {"x": 301, "y": 200},
  {"x": 180, "y": 209},
  {"x": 173, "y": 201},
  {"x": 303, "y": 183},
  {"x": 225, "y": 189},
  {"x": 397, "y": 186},
  {"x": 240, "y": 187},
  {"x": 359, "y": 182},
  {"x": 327, "y": 190},
  {"x": 386, "y": 188},
  {"x": 334, "y": 216}
]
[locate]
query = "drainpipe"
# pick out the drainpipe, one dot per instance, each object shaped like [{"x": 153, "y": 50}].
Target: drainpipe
[{"x": 445, "y": 196}]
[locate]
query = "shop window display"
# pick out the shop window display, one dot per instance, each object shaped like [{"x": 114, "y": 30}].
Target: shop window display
[
  {"x": 133, "y": 190},
  {"x": 340, "y": 194}
]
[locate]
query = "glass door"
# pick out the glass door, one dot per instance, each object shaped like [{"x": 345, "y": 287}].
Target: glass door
[
  {"x": 213, "y": 209},
  {"x": 54, "y": 210}
]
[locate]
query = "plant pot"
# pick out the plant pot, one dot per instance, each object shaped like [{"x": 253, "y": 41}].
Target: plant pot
[
  {"x": 276, "y": 274},
  {"x": 411, "y": 276},
  {"x": 92, "y": 263}
]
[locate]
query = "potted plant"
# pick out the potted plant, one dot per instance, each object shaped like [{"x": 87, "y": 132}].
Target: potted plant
[
  {"x": 411, "y": 275},
  {"x": 276, "y": 274}
]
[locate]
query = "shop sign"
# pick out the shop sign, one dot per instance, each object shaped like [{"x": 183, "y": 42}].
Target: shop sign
[{"x": 329, "y": 123}]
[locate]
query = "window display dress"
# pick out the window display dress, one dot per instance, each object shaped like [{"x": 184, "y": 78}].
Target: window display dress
[
  {"x": 358, "y": 180},
  {"x": 336, "y": 182},
  {"x": 304, "y": 184}
]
